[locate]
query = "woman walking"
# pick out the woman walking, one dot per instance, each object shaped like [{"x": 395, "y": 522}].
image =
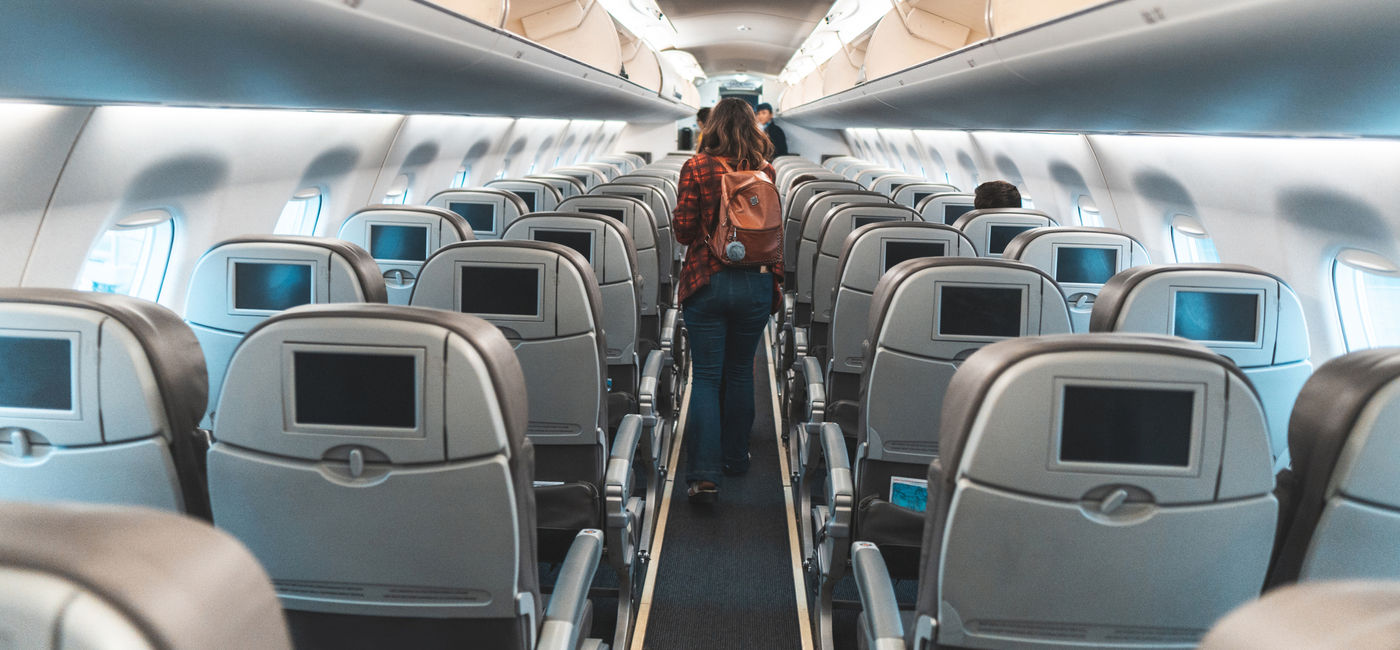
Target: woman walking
[{"x": 725, "y": 307}]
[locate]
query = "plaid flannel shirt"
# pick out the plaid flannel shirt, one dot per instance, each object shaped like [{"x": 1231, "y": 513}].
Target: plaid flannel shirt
[{"x": 695, "y": 216}]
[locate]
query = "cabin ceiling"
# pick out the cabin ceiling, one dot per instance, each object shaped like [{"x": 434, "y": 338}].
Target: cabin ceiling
[{"x": 709, "y": 29}]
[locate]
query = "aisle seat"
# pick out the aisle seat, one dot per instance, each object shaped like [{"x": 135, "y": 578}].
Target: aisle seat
[{"x": 400, "y": 237}]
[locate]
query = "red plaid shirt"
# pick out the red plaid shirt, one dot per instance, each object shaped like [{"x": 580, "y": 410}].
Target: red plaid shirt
[{"x": 695, "y": 216}]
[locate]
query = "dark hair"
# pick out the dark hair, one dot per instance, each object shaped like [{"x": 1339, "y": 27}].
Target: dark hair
[
  {"x": 765, "y": 106},
  {"x": 997, "y": 194},
  {"x": 731, "y": 131},
  {"x": 702, "y": 115}
]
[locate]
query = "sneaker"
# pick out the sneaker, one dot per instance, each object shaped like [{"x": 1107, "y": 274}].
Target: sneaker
[
  {"x": 736, "y": 469},
  {"x": 702, "y": 492}
]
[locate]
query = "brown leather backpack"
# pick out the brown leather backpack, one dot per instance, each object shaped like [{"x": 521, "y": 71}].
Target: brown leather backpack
[{"x": 749, "y": 231}]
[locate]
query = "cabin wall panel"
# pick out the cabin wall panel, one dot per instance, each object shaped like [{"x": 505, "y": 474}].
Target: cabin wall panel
[
  {"x": 430, "y": 149},
  {"x": 35, "y": 140},
  {"x": 1054, "y": 169},
  {"x": 659, "y": 139}
]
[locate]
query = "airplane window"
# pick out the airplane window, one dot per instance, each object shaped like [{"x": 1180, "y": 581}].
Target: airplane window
[
  {"x": 1191, "y": 242},
  {"x": 1027, "y": 202},
  {"x": 300, "y": 215},
  {"x": 131, "y": 257},
  {"x": 463, "y": 177},
  {"x": 398, "y": 192},
  {"x": 1089, "y": 212},
  {"x": 1368, "y": 299}
]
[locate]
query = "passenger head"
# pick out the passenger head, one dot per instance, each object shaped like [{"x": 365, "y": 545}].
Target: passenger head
[
  {"x": 702, "y": 115},
  {"x": 764, "y": 112},
  {"x": 996, "y": 194},
  {"x": 732, "y": 132}
]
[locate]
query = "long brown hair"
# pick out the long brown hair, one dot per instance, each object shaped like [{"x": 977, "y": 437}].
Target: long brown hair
[{"x": 731, "y": 131}]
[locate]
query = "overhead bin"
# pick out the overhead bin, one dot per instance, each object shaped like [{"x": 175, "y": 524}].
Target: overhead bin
[
  {"x": 579, "y": 30},
  {"x": 405, "y": 57}
]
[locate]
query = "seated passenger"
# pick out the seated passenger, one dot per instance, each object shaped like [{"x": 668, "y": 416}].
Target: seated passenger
[{"x": 996, "y": 194}]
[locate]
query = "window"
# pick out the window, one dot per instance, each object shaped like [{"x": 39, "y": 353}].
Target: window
[
  {"x": 1368, "y": 299},
  {"x": 1089, "y": 212},
  {"x": 463, "y": 177},
  {"x": 131, "y": 257},
  {"x": 300, "y": 215},
  {"x": 1027, "y": 202},
  {"x": 1190, "y": 241},
  {"x": 398, "y": 193},
  {"x": 505, "y": 165}
]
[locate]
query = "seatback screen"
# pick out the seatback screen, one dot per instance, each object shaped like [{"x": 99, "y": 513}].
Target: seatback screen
[
  {"x": 631, "y": 195},
  {"x": 900, "y": 251},
  {"x": 480, "y": 216},
  {"x": 616, "y": 213},
  {"x": 406, "y": 243},
  {"x": 582, "y": 178},
  {"x": 365, "y": 390},
  {"x": 579, "y": 240},
  {"x": 501, "y": 290},
  {"x": 1085, "y": 265},
  {"x": 867, "y": 220},
  {"x": 1132, "y": 426},
  {"x": 951, "y": 213},
  {"x": 920, "y": 196},
  {"x": 1216, "y": 316},
  {"x": 979, "y": 311},
  {"x": 999, "y": 236},
  {"x": 528, "y": 197},
  {"x": 38, "y": 373},
  {"x": 264, "y": 286}
]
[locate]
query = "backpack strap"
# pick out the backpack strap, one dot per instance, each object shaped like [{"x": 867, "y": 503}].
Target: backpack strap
[{"x": 725, "y": 165}]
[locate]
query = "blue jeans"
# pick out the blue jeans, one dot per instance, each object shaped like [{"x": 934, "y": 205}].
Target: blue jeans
[{"x": 724, "y": 321}]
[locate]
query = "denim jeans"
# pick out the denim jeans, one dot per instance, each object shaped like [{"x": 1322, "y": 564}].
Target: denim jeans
[{"x": 724, "y": 321}]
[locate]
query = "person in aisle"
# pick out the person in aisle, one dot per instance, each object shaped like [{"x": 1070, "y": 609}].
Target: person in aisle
[
  {"x": 700, "y": 117},
  {"x": 764, "y": 112},
  {"x": 996, "y": 194},
  {"x": 726, "y": 307}
]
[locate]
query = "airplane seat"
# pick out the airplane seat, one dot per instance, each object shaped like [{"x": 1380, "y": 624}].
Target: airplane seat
[
  {"x": 400, "y": 237},
  {"x": 887, "y": 183},
  {"x": 586, "y": 175},
  {"x": 1080, "y": 259},
  {"x": 655, "y": 200},
  {"x": 992, "y": 230},
  {"x": 945, "y": 207},
  {"x": 487, "y": 211},
  {"x": 1248, "y": 315},
  {"x": 607, "y": 170},
  {"x": 1339, "y": 502},
  {"x": 626, "y": 163},
  {"x": 382, "y": 476},
  {"x": 239, "y": 282},
  {"x": 566, "y": 185},
  {"x": 912, "y": 194},
  {"x": 109, "y": 578},
  {"x": 614, "y": 261},
  {"x": 834, "y": 162},
  {"x": 665, "y": 186},
  {"x": 790, "y": 176},
  {"x": 646, "y": 237},
  {"x": 1118, "y": 450},
  {"x": 102, "y": 399},
  {"x": 538, "y": 195},
  {"x": 870, "y": 175},
  {"x": 1353, "y": 614}
]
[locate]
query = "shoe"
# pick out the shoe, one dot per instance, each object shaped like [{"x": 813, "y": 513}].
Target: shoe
[
  {"x": 731, "y": 470},
  {"x": 702, "y": 492}
]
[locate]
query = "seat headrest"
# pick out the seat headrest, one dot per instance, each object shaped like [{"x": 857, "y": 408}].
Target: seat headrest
[
  {"x": 945, "y": 207},
  {"x": 172, "y": 582},
  {"x": 376, "y": 378},
  {"x": 568, "y": 305},
  {"x": 992, "y": 230},
  {"x": 446, "y": 219},
  {"x": 101, "y": 351},
  {"x": 618, "y": 259},
  {"x": 1355, "y": 615},
  {"x": 842, "y": 220},
  {"x": 635, "y": 214},
  {"x": 879, "y": 247},
  {"x": 962, "y": 304},
  {"x": 1167, "y": 420},
  {"x": 1239, "y": 311},
  {"x": 1077, "y": 255},
  {"x": 487, "y": 210}
]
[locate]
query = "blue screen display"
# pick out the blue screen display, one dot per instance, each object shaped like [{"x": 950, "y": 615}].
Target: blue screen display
[
  {"x": 270, "y": 287},
  {"x": 1085, "y": 265},
  {"x": 406, "y": 243},
  {"x": 1216, "y": 316}
]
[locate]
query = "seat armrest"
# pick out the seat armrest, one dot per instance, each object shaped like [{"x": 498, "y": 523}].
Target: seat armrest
[
  {"x": 789, "y": 305},
  {"x": 840, "y": 489},
  {"x": 617, "y": 489},
  {"x": 877, "y": 598},
  {"x": 811, "y": 370},
  {"x": 668, "y": 330},
  {"x": 799, "y": 342},
  {"x": 655, "y": 365},
  {"x": 563, "y": 619}
]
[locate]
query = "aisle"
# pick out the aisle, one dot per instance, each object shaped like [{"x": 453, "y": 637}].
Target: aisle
[{"x": 725, "y": 575}]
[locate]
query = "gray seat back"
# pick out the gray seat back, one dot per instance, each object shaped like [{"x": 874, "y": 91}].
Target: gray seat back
[
  {"x": 111, "y": 578},
  {"x": 661, "y": 209},
  {"x": 886, "y": 183},
  {"x": 867, "y": 254},
  {"x": 1353, "y": 614},
  {"x": 614, "y": 262},
  {"x": 382, "y": 470},
  {"x": 645, "y": 237},
  {"x": 992, "y": 230},
  {"x": 803, "y": 261},
  {"x": 1118, "y": 451},
  {"x": 1343, "y": 512},
  {"x": 100, "y": 400},
  {"x": 400, "y": 237},
  {"x": 239, "y": 282},
  {"x": 838, "y": 225},
  {"x": 794, "y": 174},
  {"x": 664, "y": 185},
  {"x": 487, "y": 211},
  {"x": 1080, "y": 259},
  {"x": 1250, "y": 316},
  {"x": 625, "y": 163},
  {"x": 868, "y": 175},
  {"x": 608, "y": 170},
  {"x": 586, "y": 175},
  {"x": 539, "y": 196},
  {"x": 797, "y": 195},
  {"x": 840, "y": 164},
  {"x": 566, "y": 185},
  {"x": 944, "y": 207},
  {"x": 912, "y": 194}
]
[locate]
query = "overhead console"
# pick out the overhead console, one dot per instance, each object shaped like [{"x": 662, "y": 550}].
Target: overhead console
[{"x": 403, "y": 57}]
